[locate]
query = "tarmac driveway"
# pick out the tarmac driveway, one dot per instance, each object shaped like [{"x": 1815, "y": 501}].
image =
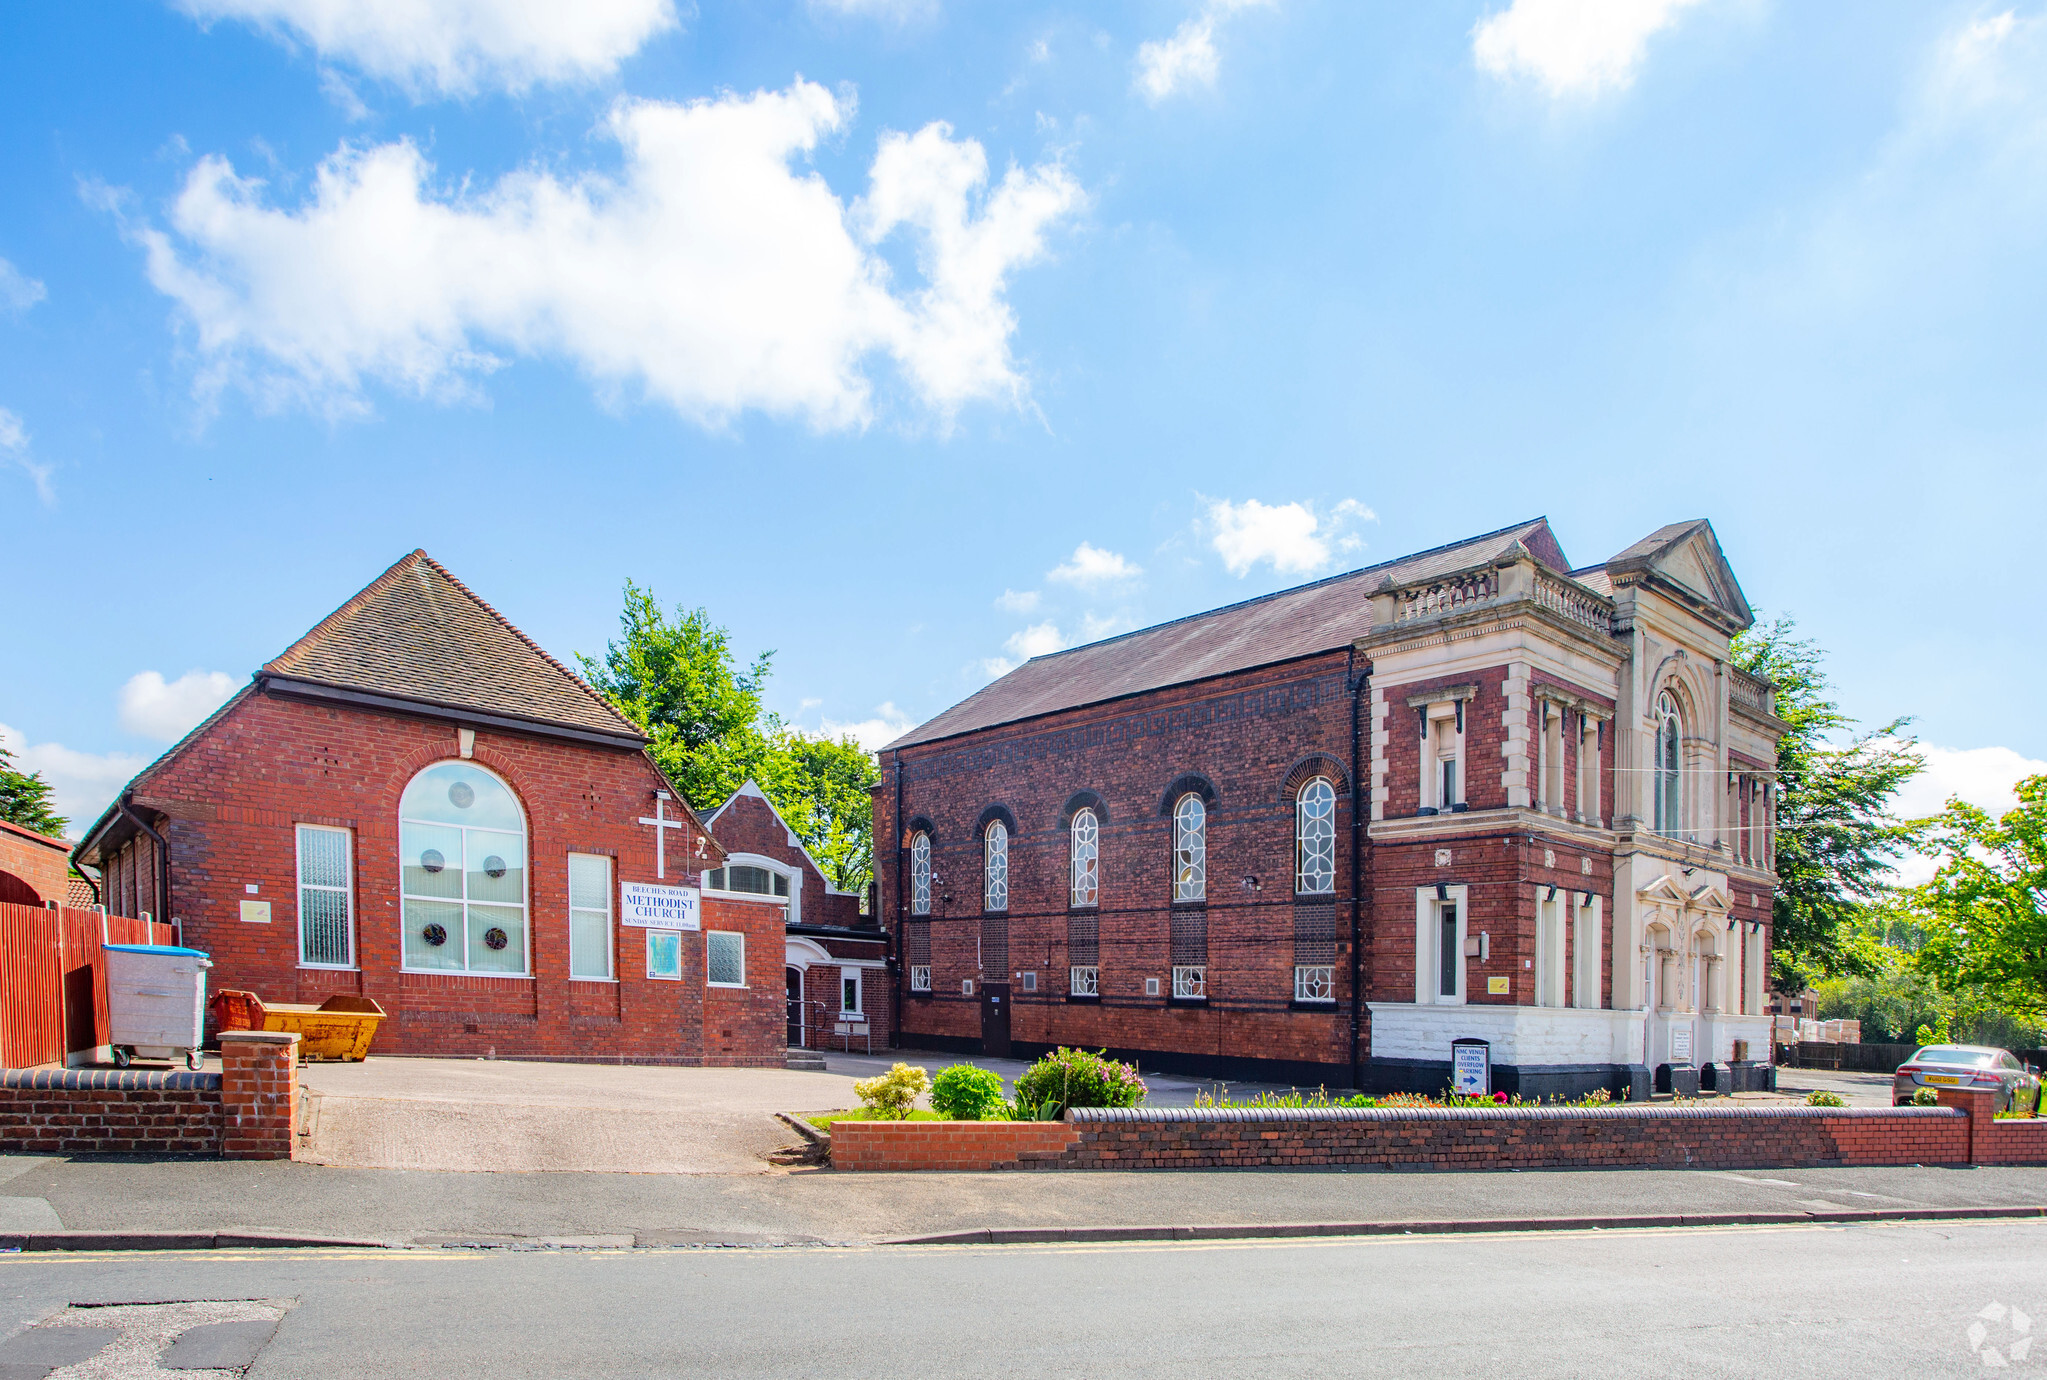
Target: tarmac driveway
[{"x": 496, "y": 1115}]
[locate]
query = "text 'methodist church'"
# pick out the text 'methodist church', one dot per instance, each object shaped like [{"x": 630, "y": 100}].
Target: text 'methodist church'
[{"x": 1473, "y": 794}]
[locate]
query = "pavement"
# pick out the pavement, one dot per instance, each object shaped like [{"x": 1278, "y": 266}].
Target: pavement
[{"x": 1876, "y": 1302}]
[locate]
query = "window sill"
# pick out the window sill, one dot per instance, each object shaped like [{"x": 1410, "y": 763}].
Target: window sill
[
  {"x": 727, "y": 986},
  {"x": 1085, "y": 999},
  {"x": 613, "y": 982},
  {"x": 329, "y": 968},
  {"x": 465, "y": 972}
]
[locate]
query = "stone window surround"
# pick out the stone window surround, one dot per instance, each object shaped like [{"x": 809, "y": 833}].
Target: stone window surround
[
  {"x": 1430, "y": 762},
  {"x": 1587, "y": 783}
]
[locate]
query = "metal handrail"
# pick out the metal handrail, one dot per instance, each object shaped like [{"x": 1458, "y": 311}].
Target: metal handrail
[{"x": 821, "y": 1020}]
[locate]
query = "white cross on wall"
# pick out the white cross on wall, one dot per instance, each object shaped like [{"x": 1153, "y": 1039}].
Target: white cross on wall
[{"x": 662, "y": 824}]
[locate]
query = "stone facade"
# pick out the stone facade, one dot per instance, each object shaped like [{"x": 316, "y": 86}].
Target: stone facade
[{"x": 1499, "y": 728}]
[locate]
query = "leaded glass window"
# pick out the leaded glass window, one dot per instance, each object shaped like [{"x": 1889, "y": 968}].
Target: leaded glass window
[
  {"x": 1190, "y": 849},
  {"x": 1315, "y": 838},
  {"x": 995, "y": 868},
  {"x": 920, "y": 874},
  {"x": 725, "y": 958},
  {"x": 1084, "y": 850},
  {"x": 1668, "y": 779},
  {"x": 462, "y": 869}
]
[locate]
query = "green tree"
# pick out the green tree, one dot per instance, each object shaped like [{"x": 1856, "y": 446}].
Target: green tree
[
  {"x": 25, "y": 799},
  {"x": 1836, "y": 837},
  {"x": 678, "y": 680},
  {"x": 1985, "y": 911}
]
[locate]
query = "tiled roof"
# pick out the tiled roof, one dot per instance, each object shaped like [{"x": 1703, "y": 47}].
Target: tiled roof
[
  {"x": 418, "y": 633},
  {"x": 1295, "y": 622}
]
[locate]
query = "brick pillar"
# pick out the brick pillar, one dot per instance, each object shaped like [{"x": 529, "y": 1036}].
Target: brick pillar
[
  {"x": 259, "y": 1088},
  {"x": 1981, "y": 1107}
]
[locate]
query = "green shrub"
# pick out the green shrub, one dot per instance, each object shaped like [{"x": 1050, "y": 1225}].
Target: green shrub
[
  {"x": 1820, "y": 1097},
  {"x": 1075, "y": 1078},
  {"x": 888, "y": 1096},
  {"x": 966, "y": 1093},
  {"x": 1925, "y": 1097}
]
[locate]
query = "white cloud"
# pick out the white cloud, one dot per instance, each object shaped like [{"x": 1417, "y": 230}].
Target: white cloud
[
  {"x": 1017, "y": 600},
  {"x": 167, "y": 711},
  {"x": 710, "y": 274},
  {"x": 18, "y": 292},
  {"x": 1291, "y": 537},
  {"x": 1090, "y": 565},
  {"x": 1094, "y": 627},
  {"x": 457, "y": 47},
  {"x": 1040, "y": 639},
  {"x": 14, "y": 450},
  {"x": 1983, "y": 777},
  {"x": 82, "y": 784},
  {"x": 1166, "y": 66},
  {"x": 1572, "y": 47},
  {"x": 888, "y": 724}
]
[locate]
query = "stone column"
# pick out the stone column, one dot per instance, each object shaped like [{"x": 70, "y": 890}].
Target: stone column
[{"x": 259, "y": 1088}]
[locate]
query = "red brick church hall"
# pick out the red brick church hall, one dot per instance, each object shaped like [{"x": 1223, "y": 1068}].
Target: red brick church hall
[
  {"x": 414, "y": 803},
  {"x": 1475, "y": 794}
]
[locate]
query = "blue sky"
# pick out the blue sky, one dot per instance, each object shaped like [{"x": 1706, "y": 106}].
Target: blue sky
[{"x": 911, "y": 337}]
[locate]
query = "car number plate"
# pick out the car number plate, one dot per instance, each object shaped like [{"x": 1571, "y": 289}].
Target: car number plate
[{"x": 1947, "y": 1078}]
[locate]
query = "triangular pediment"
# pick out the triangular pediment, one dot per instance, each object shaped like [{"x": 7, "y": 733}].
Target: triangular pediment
[
  {"x": 1688, "y": 555},
  {"x": 1710, "y": 898},
  {"x": 1663, "y": 891}
]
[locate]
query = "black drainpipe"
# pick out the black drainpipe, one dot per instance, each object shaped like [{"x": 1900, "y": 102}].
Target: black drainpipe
[
  {"x": 1359, "y": 796},
  {"x": 896, "y": 945},
  {"x": 163, "y": 860}
]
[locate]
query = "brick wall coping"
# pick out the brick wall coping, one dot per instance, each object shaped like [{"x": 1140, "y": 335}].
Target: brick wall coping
[
  {"x": 71, "y": 1079},
  {"x": 260, "y": 1037},
  {"x": 1282, "y": 1115}
]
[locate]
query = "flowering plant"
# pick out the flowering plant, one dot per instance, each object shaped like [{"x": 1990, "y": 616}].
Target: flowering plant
[{"x": 1077, "y": 1078}]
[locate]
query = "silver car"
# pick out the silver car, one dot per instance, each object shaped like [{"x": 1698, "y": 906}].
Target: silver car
[{"x": 1968, "y": 1066}]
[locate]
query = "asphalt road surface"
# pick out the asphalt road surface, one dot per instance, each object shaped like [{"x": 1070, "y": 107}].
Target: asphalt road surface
[{"x": 1865, "y": 1301}]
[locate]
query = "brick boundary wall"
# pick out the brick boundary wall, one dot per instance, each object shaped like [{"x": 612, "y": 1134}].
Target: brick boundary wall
[
  {"x": 248, "y": 1111},
  {"x": 1961, "y": 1131}
]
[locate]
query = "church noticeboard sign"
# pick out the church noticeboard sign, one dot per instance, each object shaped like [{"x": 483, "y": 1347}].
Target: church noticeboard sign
[
  {"x": 1680, "y": 1044},
  {"x": 646, "y": 906}
]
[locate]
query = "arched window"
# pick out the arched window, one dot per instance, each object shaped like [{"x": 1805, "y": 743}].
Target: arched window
[
  {"x": 1190, "y": 849},
  {"x": 462, "y": 856},
  {"x": 1084, "y": 853},
  {"x": 995, "y": 867},
  {"x": 920, "y": 874},
  {"x": 1315, "y": 838},
  {"x": 1668, "y": 777}
]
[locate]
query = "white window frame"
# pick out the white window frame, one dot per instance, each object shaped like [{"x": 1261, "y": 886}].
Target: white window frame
[
  {"x": 1434, "y": 756},
  {"x": 858, "y": 1008},
  {"x": 773, "y": 866},
  {"x": 1028, "y": 980},
  {"x": 1588, "y": 768},
  {"x": 920, "y": 873},
  {"x": 347, "y": 891},
  {"x": 610, "y": 942},
  {"x": 1084, "y": 980},
  {"x": 1667, "y": 781},
  {"x": 1303, "y": 883},
  {"x": 1084, "y": 860},
  {"x": 710, "y": 943},
  {"x": 1190, "y": 982},
  {"x": 1428, "y": 957},
  {"x": 1551, "y": 976},
  {"x": 657, "y": 975},
  {"x": 966, "y": 987},
  {"x": 1307, "y": 976},
  {"x": 1588, "y": 946},
  {"x": 1190, "y": 848},
  {"x": 920, "y": 977},
  {"x": 525, "y": 895},
  {"x": 995, "y": 867}
]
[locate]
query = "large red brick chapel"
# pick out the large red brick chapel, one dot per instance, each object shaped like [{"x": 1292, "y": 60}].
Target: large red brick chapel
[
  {"x": 415, "y": 803},
  {"x": 1471, "y": 795}
]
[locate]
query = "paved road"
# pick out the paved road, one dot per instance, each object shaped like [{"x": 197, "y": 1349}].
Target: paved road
[
  {"x": 1872, "y": 1302},
  {"x": 401, "y": 1205}
]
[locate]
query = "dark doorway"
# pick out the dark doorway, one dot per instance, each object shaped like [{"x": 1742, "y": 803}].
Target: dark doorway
[
  {"x": 80, "y": 1027},
  {"x": 14, "y": 891},
  {"x": 995, "y": 1019},
  {"x": 793, "y": 977}
]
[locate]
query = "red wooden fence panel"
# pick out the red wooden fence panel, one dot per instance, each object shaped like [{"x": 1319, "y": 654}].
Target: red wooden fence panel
[{"x": 53, "y": 979}]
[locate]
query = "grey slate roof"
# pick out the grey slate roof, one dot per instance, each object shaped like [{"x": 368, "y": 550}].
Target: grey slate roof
[
  {"x": 418, "y": 633},
  {"x": 1296, "y": 622}
]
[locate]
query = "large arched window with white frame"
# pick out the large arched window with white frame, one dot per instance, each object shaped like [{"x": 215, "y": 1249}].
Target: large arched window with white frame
[
  {"x": 920, "y": 873},
  {"x": 1315, "y": 838},
  {"x": 1668, "y": 773},
  {"x": 462, "y": 871},
  {"x": 995, "y": 867},
  {"x": 1190, "y": 849},
  {"x": 1084, "y": 859}
]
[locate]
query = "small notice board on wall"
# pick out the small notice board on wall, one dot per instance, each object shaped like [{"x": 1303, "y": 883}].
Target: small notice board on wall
[
  {"x": 1471, "y": 1068},
  {"x": 1680, "y": 1044},
  {"x": 647, "y": 906}
]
